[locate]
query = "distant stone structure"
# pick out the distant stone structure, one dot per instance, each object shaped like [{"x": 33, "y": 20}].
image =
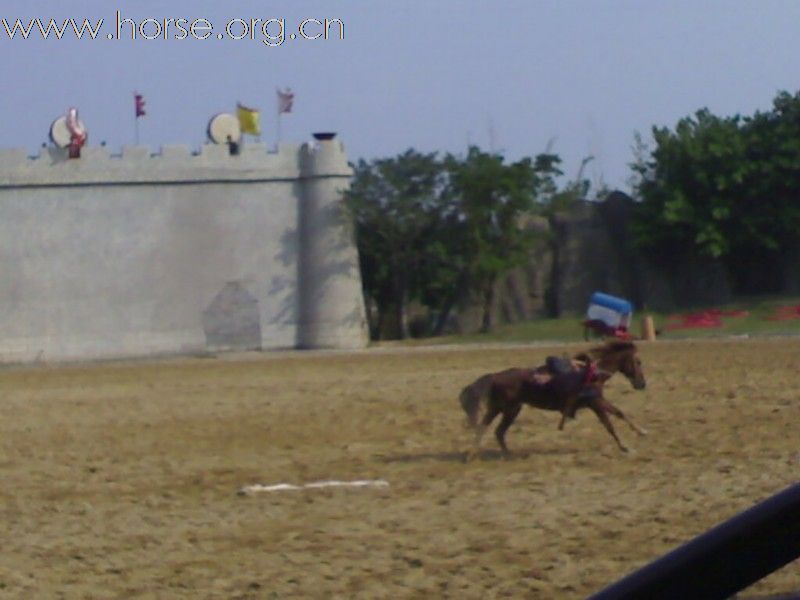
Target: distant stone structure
[
  {"x": 595, "y": 252},
  {"x": 587, "y": 249},
  {"x": 178, "y": 252}
]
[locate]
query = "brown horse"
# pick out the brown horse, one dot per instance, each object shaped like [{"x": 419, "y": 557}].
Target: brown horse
[{"x": 506, "y": 391}]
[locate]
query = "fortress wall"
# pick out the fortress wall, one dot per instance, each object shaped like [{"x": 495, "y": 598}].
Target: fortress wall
[
  {"x": 328, "y": 315},
  {"x": 140, "y": 255}
]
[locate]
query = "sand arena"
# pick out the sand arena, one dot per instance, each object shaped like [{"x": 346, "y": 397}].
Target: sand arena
[{"x": 120, "y": 479}]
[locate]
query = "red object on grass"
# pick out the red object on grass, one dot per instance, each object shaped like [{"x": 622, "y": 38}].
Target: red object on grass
[
  {"x": 728, "y": 313},
  {"x": 695, "y": 321},
  {"x": 785, "y": 313},
  {"x": 705, "y": 319}
]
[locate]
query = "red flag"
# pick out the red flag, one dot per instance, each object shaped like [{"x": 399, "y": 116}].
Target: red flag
[
  {"x": 285, "y": 100},
  {"x": 138, "y": 100}
]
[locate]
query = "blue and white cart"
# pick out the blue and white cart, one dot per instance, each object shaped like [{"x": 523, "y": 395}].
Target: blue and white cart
[{"x": 608, "y": 316}]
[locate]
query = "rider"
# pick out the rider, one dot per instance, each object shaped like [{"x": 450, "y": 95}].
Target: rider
[{"x": 577, "y": 385}]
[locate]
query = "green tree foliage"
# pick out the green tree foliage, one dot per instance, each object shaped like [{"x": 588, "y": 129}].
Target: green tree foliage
[
  {"x": 395, "y": 204},
  {"x": 434, "y": 230},
  {"x": 723, "y": 187},
  {"x": 688, "y": 188},
  {"x": 553, "y": 199},
  {"x": 492, "y": 197}
]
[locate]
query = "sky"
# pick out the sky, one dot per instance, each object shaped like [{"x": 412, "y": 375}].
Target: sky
[{"x": 513, "y": 76}]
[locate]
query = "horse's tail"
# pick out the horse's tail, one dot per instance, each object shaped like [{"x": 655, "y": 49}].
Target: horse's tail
[{"x": 473, "y": 397}]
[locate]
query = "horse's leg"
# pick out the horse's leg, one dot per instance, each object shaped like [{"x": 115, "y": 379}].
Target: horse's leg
[
  {"x": 471, "y": 398},
  {"x": 564, "y": 415},
  {"x": 492, "y": 410},
  {"x": 505, "y": 423},
  {"x": 568, "y": 410},
  {"x": 610, "y": 408},
  {"x": 571, "y": 403},
  {"x": 600, "y": 411}
]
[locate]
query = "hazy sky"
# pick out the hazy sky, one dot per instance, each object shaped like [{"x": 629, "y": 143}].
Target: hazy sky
[{"x": 433, "y": 74}]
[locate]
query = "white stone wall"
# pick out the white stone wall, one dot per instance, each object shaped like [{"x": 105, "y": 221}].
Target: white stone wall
[{"x": 137, "y": 255}]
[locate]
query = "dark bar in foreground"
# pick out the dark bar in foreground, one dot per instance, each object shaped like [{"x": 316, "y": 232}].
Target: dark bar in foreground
[{"x": 724, "y": 560}]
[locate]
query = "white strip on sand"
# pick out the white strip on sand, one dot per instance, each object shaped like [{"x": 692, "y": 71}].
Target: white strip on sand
[{"x": 282, "y": 487}]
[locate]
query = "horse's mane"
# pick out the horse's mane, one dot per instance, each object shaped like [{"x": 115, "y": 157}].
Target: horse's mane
[{"x": 612, "y": 347}]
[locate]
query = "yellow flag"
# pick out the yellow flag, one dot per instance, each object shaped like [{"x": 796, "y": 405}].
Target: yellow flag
[{"x": 248, "y": 120}]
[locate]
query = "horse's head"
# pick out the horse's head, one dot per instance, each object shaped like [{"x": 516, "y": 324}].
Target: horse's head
[
  {"x": 622, "y": 356},
  {"x": 631, "y": 367}
]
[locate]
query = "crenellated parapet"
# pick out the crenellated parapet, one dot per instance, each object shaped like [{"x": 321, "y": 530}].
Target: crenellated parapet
[
  {"x": 172, "y": 163},
  {"x": 139, "y": 253}
]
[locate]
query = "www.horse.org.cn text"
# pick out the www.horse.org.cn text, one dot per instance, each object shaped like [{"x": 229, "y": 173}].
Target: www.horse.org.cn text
[{"x": 271, "y": 32}]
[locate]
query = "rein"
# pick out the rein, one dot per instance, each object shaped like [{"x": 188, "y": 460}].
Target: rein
[{"x": 591, "y": 373}]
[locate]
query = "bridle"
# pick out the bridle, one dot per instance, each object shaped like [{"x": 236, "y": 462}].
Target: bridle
[{"x": 591, "y": 373}]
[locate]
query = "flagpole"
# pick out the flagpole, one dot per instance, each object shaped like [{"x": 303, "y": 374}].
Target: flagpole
[
  {"x": 138, "y": 111},
  {"x": 135, "y": 119},
  {"x": 284, "y": 105},
  {"x": 278, "y": 129}
]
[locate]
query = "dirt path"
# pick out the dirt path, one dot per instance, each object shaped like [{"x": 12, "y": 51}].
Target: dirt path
[{"x": 120, "y": 480}]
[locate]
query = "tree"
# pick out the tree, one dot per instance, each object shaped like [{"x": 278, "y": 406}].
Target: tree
[
  {"x": 437, "y": 230},
  {"x": 492, "y": 197},
  {"x": 394, "y": 203},
  {"x": 724, "y": 187},
  {"x": 690, "y": 186}
]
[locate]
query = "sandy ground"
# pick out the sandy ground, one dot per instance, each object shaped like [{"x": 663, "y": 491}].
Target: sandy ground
[{"x": 120, "y": 480}]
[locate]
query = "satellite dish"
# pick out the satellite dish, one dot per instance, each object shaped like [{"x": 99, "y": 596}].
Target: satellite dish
[
  {"x": 59, "y": 132},
  {"x": 63, "y": 129},
  {"x": 224, "y": 128}
]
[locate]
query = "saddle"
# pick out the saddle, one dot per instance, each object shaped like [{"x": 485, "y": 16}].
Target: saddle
[
  {"x": 557, "y": 368},
  {"x": 558, "y": 365}
]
